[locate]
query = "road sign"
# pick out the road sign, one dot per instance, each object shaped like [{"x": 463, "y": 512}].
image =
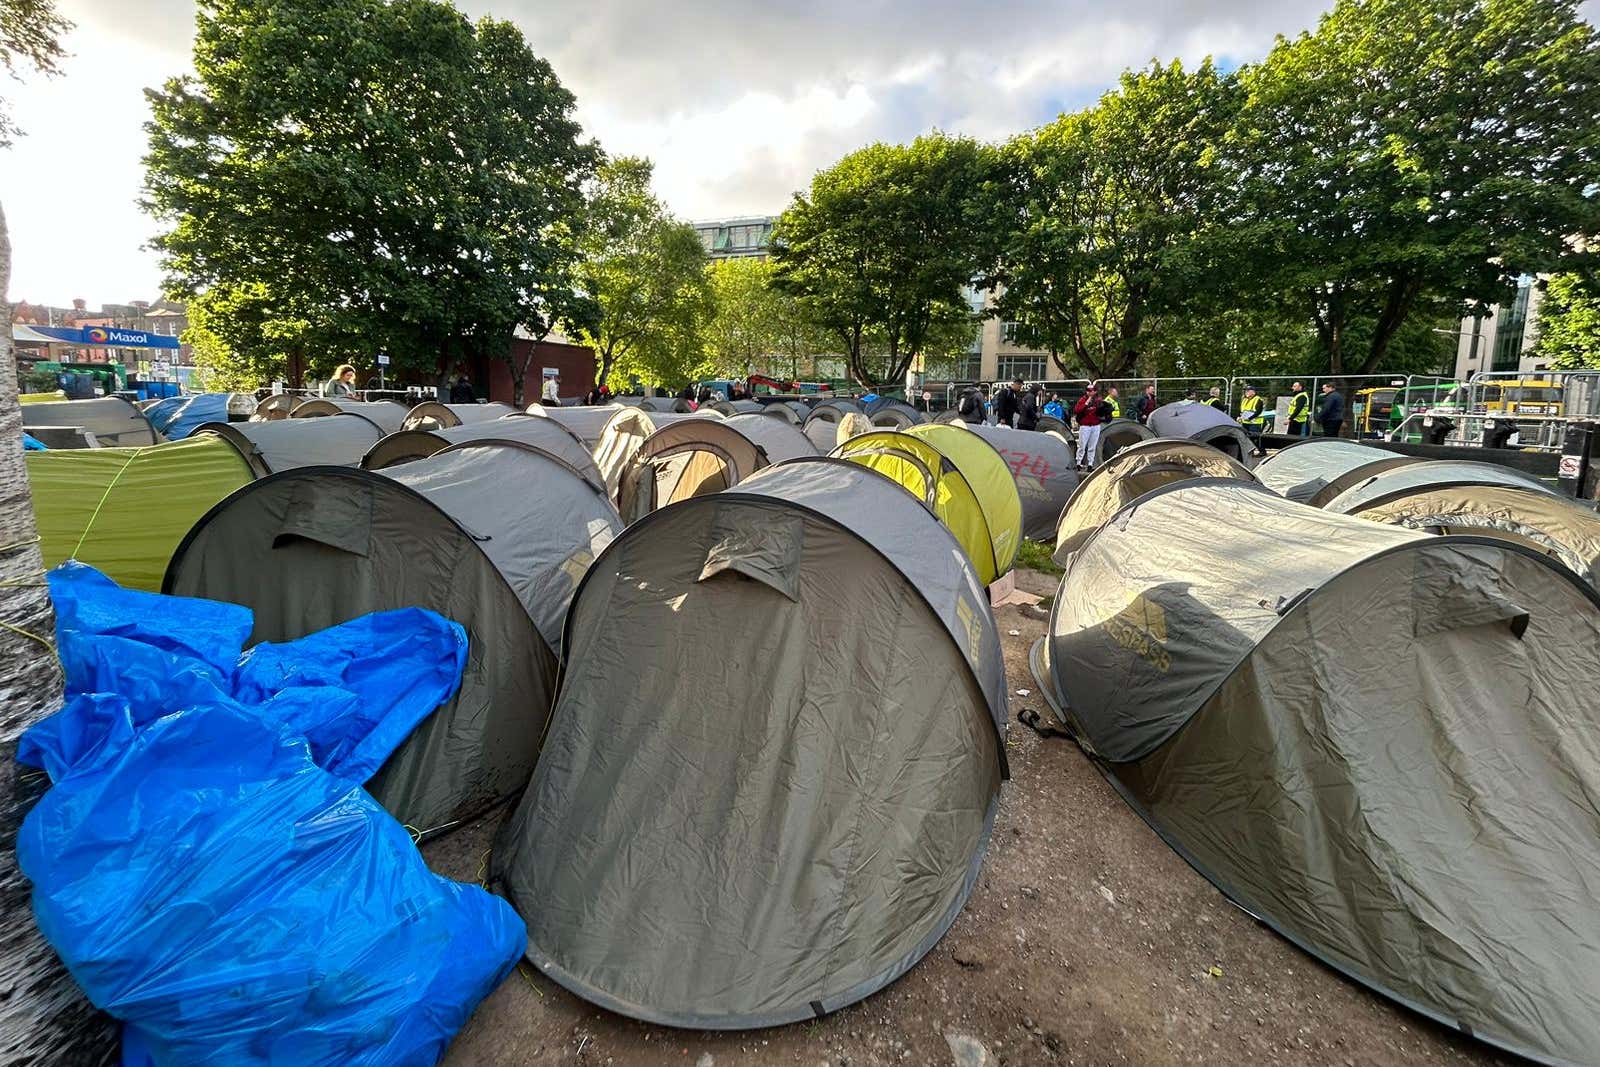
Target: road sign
[
  {"x": 383, "y": 359},
  {"x": 1569, "y": 467}
]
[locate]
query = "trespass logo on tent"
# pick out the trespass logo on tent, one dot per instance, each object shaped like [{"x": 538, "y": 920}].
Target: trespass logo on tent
[{"x": 1141, "y": 628}]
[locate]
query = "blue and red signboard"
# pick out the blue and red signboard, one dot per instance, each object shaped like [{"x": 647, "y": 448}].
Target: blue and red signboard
[{"x": 92, "y": 336}]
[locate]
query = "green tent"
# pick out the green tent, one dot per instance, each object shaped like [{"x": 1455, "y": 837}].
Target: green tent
[{"x": 124, "y": 510}]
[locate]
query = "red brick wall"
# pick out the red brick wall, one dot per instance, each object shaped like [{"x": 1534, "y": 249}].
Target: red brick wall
[{"x": 574, "y": 362}]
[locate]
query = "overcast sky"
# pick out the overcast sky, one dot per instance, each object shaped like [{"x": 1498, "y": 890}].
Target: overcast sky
[{"x": 737, "y": 102}]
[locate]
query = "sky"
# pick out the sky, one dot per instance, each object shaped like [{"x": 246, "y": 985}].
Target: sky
[{"x": 738, "y": 103}]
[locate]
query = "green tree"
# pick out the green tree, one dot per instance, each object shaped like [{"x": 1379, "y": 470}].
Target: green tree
[
  {"x": 382, "y": 165},
  {"x": 744, "y": 328},
  {"x": 1569, "y": 323},
  {"x": 30, "y": 39},
  {"x": 878, "y": 251},
  {"x": 1111, "y": 215},
  {"x": 645, "y": 273},
  {"x": 245, "y": 337},
  {"x": 1415, "y": 156}
]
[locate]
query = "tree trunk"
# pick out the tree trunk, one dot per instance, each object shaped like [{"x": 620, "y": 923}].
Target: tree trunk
[
  {"x": 43, "y": 1016},
  {"x": 1397, "y": 303}
]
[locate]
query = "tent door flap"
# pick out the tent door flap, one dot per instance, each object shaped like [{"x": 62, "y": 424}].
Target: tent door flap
[
  {"x": 338, "y": 520},
  {"x": 768, "y": 550}
]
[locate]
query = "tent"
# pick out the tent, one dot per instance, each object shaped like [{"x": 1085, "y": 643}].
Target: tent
[
  {"x": 274, "y": 407},
  {"x": 317, "y": 546},
  {"x": 782, "y": 808},
  {"x": 1317, "y": 469},
  {"x": 191, "y": 412},
  {"x": 1042, "y": 466},
  {"x": 1380, "y": 743},
  {"x": 547, "y": 434},
  {"x": 1566, "y": 531},
  {"x": 1117, "y": 435},
  {"x": 432, "y": 415},
  {"x": 389, "y": 417},
  {"x": 115, "y": 422},
  {"x": 1202, "y": 422},
  {"x": 1133, "y": 472},
  {"x": 1403, "y": 480},
  {"x": 893, "y": 415},
  {"x": 124, "y": 510},
  {"x": 1060, "y": 427},
  {"x": 278, "y": 445},
  {"x": 587, "y": 422},
  {"x": 693, "y": 457},
  {"x": 821, "y": 422},
  {"x": 960, "y": 478},
  {"x": 623, "y": 433},
  {"x": 730, "y": 408}
]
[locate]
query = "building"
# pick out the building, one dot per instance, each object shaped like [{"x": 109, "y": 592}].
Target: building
[
  {"x": 748, "y": 237},
  {"x": 164, "y": 317},
  {"x": 1501, "y": 339}
]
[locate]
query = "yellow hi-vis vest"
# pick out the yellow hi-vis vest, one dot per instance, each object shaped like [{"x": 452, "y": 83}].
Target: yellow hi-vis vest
[
  {"x": 1252, "y": 410},
  {"x": 1116, "y": 408},
  {"x": 1300, "y": 407}
]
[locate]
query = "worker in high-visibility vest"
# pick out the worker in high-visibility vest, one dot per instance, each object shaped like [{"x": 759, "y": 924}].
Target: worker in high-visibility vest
[
  {"x": 1253, "y": 415},
  {"x": 1299, "y": 411},
  {"x": 1216, "y": 401}
]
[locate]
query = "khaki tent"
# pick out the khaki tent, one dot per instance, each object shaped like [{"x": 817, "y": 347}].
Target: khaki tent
[
  {"x": 390, "y": 417},
  {"x": 1380, "y": 743},
  {"x": 1135, "y": 471},
  {"x": 277, "y": 445},
  {"x": 1316, "y": 470},
  {"x": 1042, "y": 466},
  {"x": 124, "y": 510},
  {"x": 1117, "y": 435},
  {"x": 960, "y": 478},
  {"x": 623, "y": 434},
  {"x": 1204, "y": 423},
  {"x": 274, "y": 407},
  {"x": 730, "y": 408},
  {"x": 1404, "y": 480},
  {"x": 547, "y": 434},
  {"x": 1544, "y": 522},
  {"x": 115, "y": 422},
  {"x": 432, "y": 415},
  {"x": 782, "y": 808},
  {"x": 463, "y": 533},
  {"x": 695, "y": 457},
  {"x": 587, "y": 422}
]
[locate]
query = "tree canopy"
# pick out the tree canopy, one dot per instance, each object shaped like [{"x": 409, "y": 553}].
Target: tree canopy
[
  {"x": 1569, "y": 323},
  {"x": 385, "y": 164},
  {"x": 30, "y": 39}
]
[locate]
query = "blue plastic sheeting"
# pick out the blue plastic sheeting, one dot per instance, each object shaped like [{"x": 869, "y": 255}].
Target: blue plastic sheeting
[
  {"x": 206, "y": 863},
  {"x": 177, "y": 417},
  {"x": 31, "y": 443}
]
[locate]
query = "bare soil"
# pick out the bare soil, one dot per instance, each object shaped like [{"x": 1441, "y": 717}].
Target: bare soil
[{"x": 1087, "y": 941}]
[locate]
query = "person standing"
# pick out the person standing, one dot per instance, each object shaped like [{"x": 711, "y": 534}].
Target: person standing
[
  {"x": 343, "y": 382},
  {"x": 1145, "y": 405},
  {"x": 1299, "y": 411},
  {"x": 1028, "y": 408},
  {"x": 1253, "y": 416},
  {"x": 1330, "y": 413},
  {"x": 461, "y": 391},
  {"x": 1110, "y": 406},
  {"x": 1216, "y": 401},
  {"x": 551, "y": 394},
  {"x": 1087, "y": 412},
  {"x": 1008, "y": 402},
  {"x": 970, "y": 407}
]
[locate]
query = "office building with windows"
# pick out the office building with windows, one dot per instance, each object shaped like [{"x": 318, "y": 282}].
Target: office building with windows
[
  {"x": 747, "y": 237},
  {"x": 1501, "y": 338}
]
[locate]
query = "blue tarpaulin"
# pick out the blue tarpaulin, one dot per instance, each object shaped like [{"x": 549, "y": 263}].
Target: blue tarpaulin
[
  {"x": 31, "y": 443},
  {"x": 206, "y": 862},
  {"x": 177, "y": 417}
]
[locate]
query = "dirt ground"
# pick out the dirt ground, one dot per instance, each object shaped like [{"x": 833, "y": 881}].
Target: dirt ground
[{"x": 1086, "y": 942}]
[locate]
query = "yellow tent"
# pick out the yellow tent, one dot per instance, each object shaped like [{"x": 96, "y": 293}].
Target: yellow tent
[{"x": 960, "y": 477}]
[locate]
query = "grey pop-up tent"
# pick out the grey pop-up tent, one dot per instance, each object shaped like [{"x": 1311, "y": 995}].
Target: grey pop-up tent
[
  {"x": 274, "y": 407},
  {"x": 493, "y": 536},
  {"x": 114, "y": 421},
  {"x": 1042, "y": 466},
  {"x": 892, "y": 415},
  {"x": 433, "y": 415},
  {"x": 1204, "y": 423},
  {"x": 730, "y": 408},
  {"x": 783, "y": 808},
  {"x": 1316, "y": 470},
  {"x": 587, "y": 422},
  {"x": 625, "y": 431},
  {"x": 547, "y": 434},
  {"x": 694, "y": 457},
  {"x": 1117, "y": 435},
  {"x": 278, "y": 445},
  {"x": 1378, "y": 742},
  {"x": 390, "y": 417},
  {"x": 1133, "y": 472},
  {"x": 1397, "y": 481},
  {"x": 1545, "y": 522},
  {"x": 822, "y": 421}
]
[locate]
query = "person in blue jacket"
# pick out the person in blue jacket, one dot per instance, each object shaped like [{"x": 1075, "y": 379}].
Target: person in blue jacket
[{"x": 1330, "y": 413}]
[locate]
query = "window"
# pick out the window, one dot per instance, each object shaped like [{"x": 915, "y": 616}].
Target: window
[
  {"x": 1029, "y": 367},
  {"x": 1510, "y": 329}
]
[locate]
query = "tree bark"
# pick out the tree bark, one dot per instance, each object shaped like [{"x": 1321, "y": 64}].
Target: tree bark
[
  {"x": 44, "y": 1018},
  {"x": 1397, "y": 304}
]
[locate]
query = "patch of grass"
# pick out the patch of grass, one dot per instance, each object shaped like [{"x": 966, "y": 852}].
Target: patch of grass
[{"x": 1036, "y": 557}]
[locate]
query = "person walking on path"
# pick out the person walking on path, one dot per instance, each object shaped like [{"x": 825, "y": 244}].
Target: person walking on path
[
  {"x": 1330, "y": 413},
  {"x": 1146, "y": 403},
  {"x": 1087, "y": 412},
  {"x": 1253, "y": 415},
  {"x": 1008, "y": 402},
  {"x": 343, "y": 382},
  {"x": 1299, "y": 411}
]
